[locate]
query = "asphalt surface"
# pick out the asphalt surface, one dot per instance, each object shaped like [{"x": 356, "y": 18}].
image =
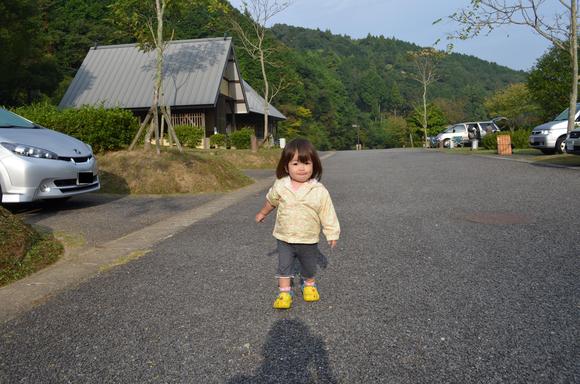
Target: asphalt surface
[{"x": 450, "y": 269}]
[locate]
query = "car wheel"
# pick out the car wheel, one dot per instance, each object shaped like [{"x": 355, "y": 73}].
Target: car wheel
[
  {"x": 446, "y": 143},
  {"x": 561, "y": 145},
  {"x": 547, "y": 151}
]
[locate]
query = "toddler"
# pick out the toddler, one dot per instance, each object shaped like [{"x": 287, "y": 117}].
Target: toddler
[{"x": 304, "y": 205}]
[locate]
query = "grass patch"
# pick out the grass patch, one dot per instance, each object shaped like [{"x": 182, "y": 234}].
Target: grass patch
[
  {"x": 171, "y": 172},
  {"x": 71, "y": 240},
  {"x": 23, "y": 250},
  {"x": 529, "y": 153},
  {"x": 124, "y": 260},
  {"x": 564, "y": 159}
]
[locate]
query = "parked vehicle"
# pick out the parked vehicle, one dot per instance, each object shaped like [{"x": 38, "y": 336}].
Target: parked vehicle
[
  {"x": 550, "y": 137},
  {"x": 37, "y": 163},
  {"x": 463, "y": 133},
  {"x": 573, "y": 142}
]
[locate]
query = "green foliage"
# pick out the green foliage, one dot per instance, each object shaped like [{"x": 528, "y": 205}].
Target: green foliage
[
  {"x": 217, "y": 140},
  {"x": 29, "y": 69},
  {"x": 189, "y": 135},
  {"x": 550, "y": 82},
  {"x": 242, "y": 138},
  {"x": 436, "y": 120},
  {"x": 393, "y": 132},
  {"x": 340, "y": 80},
  {"x": 103, "y": 129},
  {"x": 515, "y": 104},
  {"x": 519, "y": 139}
]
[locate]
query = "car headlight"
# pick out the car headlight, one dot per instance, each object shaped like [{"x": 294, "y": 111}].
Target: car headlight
[
  {"x": 29, "y": 151},
  {"x": 544, "y": 132}
]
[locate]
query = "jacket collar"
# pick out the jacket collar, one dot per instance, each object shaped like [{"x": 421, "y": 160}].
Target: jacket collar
[{"x": 312, "y": 183}]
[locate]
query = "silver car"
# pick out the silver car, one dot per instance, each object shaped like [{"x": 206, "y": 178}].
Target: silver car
[
  {"x": 38, "y": 163},
  {"x": 573, "y": 142}
]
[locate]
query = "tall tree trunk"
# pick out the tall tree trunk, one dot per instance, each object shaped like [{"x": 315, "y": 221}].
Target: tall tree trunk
[
  {"x": 159, "y": 72},
  {"x": 425, "y": 111},
  {"x": 266, "y": 96},
  {"x": 574, "y": 63}
]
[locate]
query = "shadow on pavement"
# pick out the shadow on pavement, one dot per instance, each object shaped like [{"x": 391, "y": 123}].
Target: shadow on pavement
[
  {"x": 59, "y": 205},
  {"x": 291, "y": 355}
]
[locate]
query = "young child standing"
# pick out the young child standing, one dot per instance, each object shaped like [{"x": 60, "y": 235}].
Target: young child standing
[{"x": 304, "y": 205}]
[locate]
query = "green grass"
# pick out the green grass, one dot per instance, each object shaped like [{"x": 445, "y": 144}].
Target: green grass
[
  {"x": 531, "y": 154},
  {"x": 44, "y": 250}
]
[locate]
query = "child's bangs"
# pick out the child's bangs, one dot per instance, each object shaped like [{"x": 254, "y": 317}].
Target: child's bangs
[{"x": 304, "y": 155}]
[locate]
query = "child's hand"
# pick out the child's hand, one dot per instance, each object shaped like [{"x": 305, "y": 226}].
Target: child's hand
[
  {"x": 332, "y": 243},
  {"x": 260, "y": 217}
]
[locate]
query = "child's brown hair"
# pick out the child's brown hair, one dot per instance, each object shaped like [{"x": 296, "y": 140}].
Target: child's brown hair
[{"x": 306, "y": 152}]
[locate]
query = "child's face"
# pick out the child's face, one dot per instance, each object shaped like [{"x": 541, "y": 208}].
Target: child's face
[{"x": 298, "y": 171}]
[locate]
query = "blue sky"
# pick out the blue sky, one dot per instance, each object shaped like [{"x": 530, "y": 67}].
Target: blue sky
[{"x": 517, "y": 47}]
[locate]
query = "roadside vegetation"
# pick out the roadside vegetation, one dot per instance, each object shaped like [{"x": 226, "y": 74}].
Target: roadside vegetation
[
  {"x": 171, "y": 172},
  {"x": 24, "y": 250}
]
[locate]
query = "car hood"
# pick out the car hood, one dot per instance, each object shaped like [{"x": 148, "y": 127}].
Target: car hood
[
  {"x": 59, "y": 143},
  {"x": 552, "y": 125}
]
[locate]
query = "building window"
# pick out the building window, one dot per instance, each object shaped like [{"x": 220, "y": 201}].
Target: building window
[{"x": 196, "y": 119}]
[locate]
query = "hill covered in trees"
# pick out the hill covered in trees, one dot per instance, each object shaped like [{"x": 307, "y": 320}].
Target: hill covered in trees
[{"x": 331, "y": 81}]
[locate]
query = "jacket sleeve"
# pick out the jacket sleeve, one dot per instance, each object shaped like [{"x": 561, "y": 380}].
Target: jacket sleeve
[
  {"x": 328, "y": 218},
  {"x": 273, "y": 196}
]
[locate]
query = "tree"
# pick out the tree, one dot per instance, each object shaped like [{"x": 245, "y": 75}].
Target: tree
[
  {"x": 425, "y": 61},
  {"x": 561, "y": 29},
  {"x": 255, "y": 44},
  {"x": 514, "y": 103},
  {"x": 27, "y": 70},
  {"x": 549, "y": 82},
  {"x": 147, "y": 25},
  {"x": 436, "y": 119}
]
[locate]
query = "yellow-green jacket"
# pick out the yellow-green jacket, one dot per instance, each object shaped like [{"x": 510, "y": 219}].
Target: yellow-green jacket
[{"x": 301, "y": 214}]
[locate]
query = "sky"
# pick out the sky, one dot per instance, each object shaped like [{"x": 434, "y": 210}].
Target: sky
[{"x": 517, "y": 47}]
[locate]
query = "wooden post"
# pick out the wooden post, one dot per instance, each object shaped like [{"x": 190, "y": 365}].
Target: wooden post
[{"x": 254, "y": 143}]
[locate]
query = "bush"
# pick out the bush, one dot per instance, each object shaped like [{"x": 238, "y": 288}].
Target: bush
[
  {"x": 217, "y": 140},
  {"x": 103, "y": 129},
  {"x": 519, "y": 139},
  {"x": 189, "y": 135},
  {"x": 242, "y": 139}
]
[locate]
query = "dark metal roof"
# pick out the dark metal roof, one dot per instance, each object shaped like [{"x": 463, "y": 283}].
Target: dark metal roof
[
  {"x": 256, "y": 103},
  {"x": 123, "y": 76}
]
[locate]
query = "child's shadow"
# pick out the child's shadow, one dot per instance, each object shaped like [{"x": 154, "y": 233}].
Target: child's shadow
[{"x": 291, "y": 355}]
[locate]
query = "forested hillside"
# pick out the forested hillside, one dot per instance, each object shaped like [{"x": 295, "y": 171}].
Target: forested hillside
[{"x": 332, "y": 81}]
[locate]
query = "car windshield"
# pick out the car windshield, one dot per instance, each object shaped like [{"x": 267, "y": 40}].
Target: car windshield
[
  {"x": 564, "y": 115},
  {"x": 12, "y": 120}
]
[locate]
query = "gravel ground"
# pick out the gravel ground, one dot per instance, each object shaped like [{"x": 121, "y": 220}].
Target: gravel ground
[{"x": 450, "y": 269}]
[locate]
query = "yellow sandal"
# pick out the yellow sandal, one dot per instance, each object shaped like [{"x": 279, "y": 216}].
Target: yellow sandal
[
  {"x": 310, "y": 293},
  {"x": 283, "y": 301}
]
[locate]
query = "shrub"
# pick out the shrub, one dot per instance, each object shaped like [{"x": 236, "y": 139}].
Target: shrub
[
  {"x": 217, "y": 140},
  {"x": 519, "y": 139},
  {"x": 189, "y": 135},
  {"x": 104, "y": 129},
  {"x": 242, "y": 139}
]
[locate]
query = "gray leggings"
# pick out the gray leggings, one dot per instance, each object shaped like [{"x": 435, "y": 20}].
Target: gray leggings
[{"x": 307, "y": 255}]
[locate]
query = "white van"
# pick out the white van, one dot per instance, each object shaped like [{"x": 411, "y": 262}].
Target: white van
[
  {"x": 462, "y": 133},
  {"x": 550, "y": 137}
]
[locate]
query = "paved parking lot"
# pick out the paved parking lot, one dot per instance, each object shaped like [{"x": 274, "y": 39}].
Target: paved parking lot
[{"x": 450, "y": 269}]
